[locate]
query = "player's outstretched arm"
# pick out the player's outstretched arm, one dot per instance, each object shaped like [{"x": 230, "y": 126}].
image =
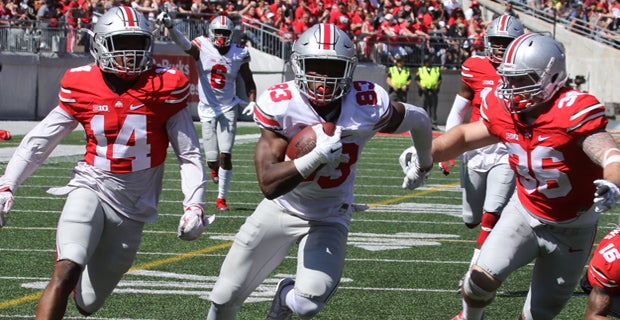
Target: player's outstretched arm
[{"x": 461, "y": 138}]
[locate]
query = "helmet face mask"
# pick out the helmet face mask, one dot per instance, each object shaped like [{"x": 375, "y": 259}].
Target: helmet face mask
[
  {"x": 220, "y": 31},
  {"x": 323, "y": 61},
  {"x": 122, "y": 43},
  {"x": 532, "y": 72},
  {"x": 498, "y": 35}
]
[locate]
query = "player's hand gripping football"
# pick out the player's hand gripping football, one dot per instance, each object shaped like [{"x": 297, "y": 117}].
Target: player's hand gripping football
[
  {"x": 606, "y": 195},
  {"x": 414, "y": 175},
  {"x": 444, "y": 166},
  {"x": 164, "y": 19},
  {"x": 193, "y": 223},
  {"x": 328, "y": 147},
  {"x": 6, "y": 202}
]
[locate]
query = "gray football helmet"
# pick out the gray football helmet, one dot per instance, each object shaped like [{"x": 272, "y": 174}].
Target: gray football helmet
[
  {"x": 122, "y": 42},
  {"x": 500, "y": 32},
  {"x": 220, "y": 31},
  {"x": 533, "y": 70},
  {"x": 323, "y": 44}
]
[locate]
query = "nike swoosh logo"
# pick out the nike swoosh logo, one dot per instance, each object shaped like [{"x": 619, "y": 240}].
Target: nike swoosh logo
[
  {"x": 572, "y": 250},
  {"x": 332, "y": 150},
  {"x": 132, "y": 107},
  {"x": 541, "y": 138}
]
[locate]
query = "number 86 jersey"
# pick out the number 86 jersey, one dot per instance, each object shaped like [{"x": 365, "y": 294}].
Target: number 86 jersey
[{"x": 327, "y": 193}]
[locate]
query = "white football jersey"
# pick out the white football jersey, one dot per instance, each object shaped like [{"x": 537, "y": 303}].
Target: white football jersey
[
  {"x": 217, "y": 77},
  {"x": 327, "y": 194}
]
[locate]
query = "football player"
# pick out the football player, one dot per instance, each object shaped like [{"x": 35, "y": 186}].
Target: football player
[
  {"x": 604, "y": 276},
  {"x": 219, "y": 63},
  {"x": 560, "y": 152},
  {"x": 308, "y": 199},
  {"x": 487, "y": 181},
  {"x": 130, "y": 111}
]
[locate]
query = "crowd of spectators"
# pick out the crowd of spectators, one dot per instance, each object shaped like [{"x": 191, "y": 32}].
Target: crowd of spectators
[{"x": 382, "y": 29}]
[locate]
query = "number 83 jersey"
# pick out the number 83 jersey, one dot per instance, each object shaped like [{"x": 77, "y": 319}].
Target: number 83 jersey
[{"x": 326, "y": 194}]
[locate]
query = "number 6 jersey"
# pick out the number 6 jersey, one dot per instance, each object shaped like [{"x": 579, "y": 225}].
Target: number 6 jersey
[{"x": 328, "y": 193}]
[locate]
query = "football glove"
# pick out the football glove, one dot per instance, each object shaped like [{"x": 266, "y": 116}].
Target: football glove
[
  {"x": 606, "y": 195},
  {"x": 445, "y": 166},
  {"x": 328, "y": 147},
  {"x": 193, "y": 223},
  {"x": 249, "y": 109},
  {"x": 6, "y": 202},
  {"x": 414, "y": 175},
  {"x": 164, "y": 19}
]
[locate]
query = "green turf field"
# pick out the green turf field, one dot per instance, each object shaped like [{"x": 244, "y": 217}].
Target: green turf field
[{"x": 405, "y": 255}]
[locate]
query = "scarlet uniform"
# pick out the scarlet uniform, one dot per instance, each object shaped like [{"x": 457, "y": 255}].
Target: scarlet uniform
[
  {"x": 217, "y": 76},
  {"x": 604, "y": 269},
  {"x": 126, "y": 138},
  {"x": 550, "y": 148},
  {"x": 327, "y": 194}
]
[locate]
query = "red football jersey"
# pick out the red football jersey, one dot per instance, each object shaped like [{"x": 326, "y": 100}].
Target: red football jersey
[
  {"x": 604, "y": 269},
  {"x": 481, "y": 76},
  {"x": 124, "y": 133},
  {"x": 554, "y": 176}
]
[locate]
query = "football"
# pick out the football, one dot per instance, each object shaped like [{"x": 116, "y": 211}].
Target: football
[{"x": 304, "y": 141}]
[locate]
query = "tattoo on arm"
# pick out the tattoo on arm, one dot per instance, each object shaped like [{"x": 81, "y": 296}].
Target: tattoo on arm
[{"x": 595, "y": 146}]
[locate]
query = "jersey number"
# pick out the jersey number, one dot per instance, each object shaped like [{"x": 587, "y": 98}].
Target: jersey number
[
  {"x": 218, "y": 76},
  {"x": 133, "y": 127},
  {"x": 535, "y": 173},
  {"x": 610, "y": 253}
]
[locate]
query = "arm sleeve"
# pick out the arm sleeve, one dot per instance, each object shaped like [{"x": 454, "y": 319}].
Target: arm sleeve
[
  {"x": 185, "y": 143},
  {"x": 36, "y": 147},
  {"x": 418, "y": 123},
  {"x": 460, "y": 107}
]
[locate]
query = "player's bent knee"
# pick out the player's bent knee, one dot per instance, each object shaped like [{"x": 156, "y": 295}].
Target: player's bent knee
[
  {"x": 306, "y": 308},
  {"x": 474, "y": 295}
]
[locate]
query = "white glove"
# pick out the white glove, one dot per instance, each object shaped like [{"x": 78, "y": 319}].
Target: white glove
[
  {"x": 249, "y": 109},
  {"x": 414, "y": 176},
  {"x": 193, "y": 223},
  {"x": 606, "y": 195},
  {"x": 164, "y": 19},
  {"x": 328, "y": 147},
  {"x": 6, "y": 202}
]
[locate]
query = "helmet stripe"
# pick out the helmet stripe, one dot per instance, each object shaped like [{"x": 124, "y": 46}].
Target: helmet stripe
[
  {"x": 502, "y": 26},
  {"x": 327, "y": 34},
  {"x": 223, "y": 20},
  {"x": 510, "y": 55},
  {"x": 130, "y": 17}
]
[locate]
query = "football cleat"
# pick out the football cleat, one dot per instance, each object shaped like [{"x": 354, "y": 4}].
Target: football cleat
[
  {"x": 459, "y": 316},
  {"x": 278, "y": 310},
  {"x": 5, "y": 135},
  {"x": 214, "y": 176},
  {"x": 220, "y": 204}
]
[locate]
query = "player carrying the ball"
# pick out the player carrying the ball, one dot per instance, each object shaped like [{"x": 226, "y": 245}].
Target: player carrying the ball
[{"x": 308, "y": 200}]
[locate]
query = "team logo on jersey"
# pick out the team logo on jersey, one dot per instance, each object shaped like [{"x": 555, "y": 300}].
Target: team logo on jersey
[
  {"x": 101, "y": 108},
  {"x": 118, "y": 104},
  {"x": 512, "y": 136}
]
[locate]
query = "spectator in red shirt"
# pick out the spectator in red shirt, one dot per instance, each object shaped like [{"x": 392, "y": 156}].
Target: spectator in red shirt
[
  {"x": 340, "y": 17},
  {"x": 302, "y": 24}
]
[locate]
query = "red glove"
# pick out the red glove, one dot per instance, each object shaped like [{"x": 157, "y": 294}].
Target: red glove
[{"x": 445, "y": 169}]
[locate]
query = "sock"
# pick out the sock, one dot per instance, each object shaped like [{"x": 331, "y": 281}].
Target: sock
[
  {"x": 474, "y": 258},
  {"x": 224, "y": 183},
  {"x": 488, "y": 222},
  {"x": 471, "y": 313}
]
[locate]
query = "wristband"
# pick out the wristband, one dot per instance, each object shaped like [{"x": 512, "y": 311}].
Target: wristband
[
  {"x": 307, "y": 164},
  {"x": 612, "y": 159}
]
